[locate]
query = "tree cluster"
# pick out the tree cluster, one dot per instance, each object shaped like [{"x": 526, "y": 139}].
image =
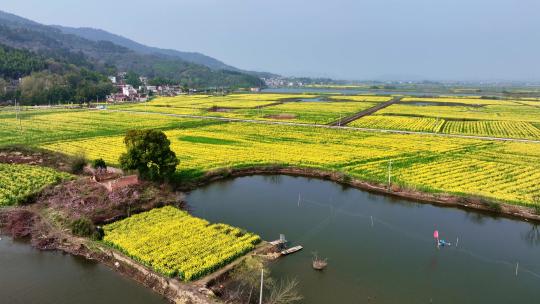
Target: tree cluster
[{"x": 46, "y": 80}]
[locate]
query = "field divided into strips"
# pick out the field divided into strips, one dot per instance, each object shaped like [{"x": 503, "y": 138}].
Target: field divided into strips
[
  {"x": 305, "y": 108},
  {"x": 307, "y": 112},
  {"x": 505, "y": 171},
  {"x": 511, "y": 129},
  {"x": 201, "y": 104},
  {"x": 465, "y": 116},
  {"x": 417, "y": 124},
  {"x": 177, "y": 244},
  {"x": 420, "y": 161},
  {"x": 18, "y": 182}
]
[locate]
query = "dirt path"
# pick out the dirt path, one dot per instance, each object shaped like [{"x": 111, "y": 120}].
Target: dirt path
[
  {"x": 298, "y": 124},
  {"x": 344, "y": 121}
]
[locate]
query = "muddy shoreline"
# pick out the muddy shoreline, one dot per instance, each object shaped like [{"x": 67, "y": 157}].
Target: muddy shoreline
[{"x": 467, "y": 203}]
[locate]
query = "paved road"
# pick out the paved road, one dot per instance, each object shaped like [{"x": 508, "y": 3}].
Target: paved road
[
  {"x": 348, "y": 119},
  {"x": 285, "y": 123}
]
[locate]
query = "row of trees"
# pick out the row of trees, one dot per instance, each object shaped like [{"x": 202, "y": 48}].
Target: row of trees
[{"x": 75, "y": 86}]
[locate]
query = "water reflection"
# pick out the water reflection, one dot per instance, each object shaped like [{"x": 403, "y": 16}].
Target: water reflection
[
  {"x": 532, "y": 236},
  {"x": 31, "y": 276},
  {"x": 274, "y": 179}
]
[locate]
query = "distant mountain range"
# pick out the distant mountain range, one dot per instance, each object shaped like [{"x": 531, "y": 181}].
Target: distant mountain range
[
  {"x": 101, "y": 35},
  {"x": 107, "y": 51}
]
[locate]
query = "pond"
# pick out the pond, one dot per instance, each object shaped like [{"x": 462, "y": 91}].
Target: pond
[
  {"x": 316, "y": 99},
  {"x": 380, "y": 249},
  {"x": 359, "y": 91},
  {"x": 31, "y": 276}
]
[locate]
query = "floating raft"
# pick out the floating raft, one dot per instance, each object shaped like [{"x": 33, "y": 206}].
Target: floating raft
[
  {"x": 291, "y": 250},
  {"x": 319, "y": 264}
]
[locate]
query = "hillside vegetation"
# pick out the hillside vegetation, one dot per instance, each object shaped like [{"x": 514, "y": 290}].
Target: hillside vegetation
[
  {"x": 105, "y": 56},
  {"x": 49, "y": 80}
]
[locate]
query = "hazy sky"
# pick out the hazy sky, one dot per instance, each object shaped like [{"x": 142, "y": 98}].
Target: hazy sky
[{"x": 347, "y": 39}]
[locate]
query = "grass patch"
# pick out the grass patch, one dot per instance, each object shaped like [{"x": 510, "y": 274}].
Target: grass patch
[{"x": 207, "y": 140}]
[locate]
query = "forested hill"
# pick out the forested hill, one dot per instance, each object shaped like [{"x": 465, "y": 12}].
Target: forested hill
[
  {"x": 101, "y": 35},
  {"x": 104, "y": 56},
  {"x": 193, "y": 57},
  {"x": 48, "y": 80}
]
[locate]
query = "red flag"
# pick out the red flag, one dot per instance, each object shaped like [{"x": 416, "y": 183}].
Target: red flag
[{"x": 436, "y": 234}]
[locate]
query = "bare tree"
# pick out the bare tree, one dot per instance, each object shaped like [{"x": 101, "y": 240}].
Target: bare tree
[
  {"x": 247, "y": 274},
  {"x": 284, "y": 292}
]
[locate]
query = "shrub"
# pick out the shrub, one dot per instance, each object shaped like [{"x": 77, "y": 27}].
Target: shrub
[
  {"x": 536, "y": 209},
  {"x": 494, "y": 206},
  {"x": 99, "y": 164},
  {"x": 78, "y": 163},
  {"x": 84, "y": 227}
]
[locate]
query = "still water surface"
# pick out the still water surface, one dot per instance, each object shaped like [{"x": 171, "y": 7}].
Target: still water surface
[
  {"x": 30, "y": 276},
  {"x": 392, "y": 259}
]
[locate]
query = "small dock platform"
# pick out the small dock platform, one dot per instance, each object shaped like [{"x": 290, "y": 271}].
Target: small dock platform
[
  {"x": 291, "y": 250},
  {"x": 278, "y": 242}
]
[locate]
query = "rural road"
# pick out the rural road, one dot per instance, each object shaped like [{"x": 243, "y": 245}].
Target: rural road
[
  {"x": 344, "y": 121},
  {"x": 298, "y": 124}
]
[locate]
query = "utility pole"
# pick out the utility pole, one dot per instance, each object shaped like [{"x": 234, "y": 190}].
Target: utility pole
[
  {"x": 389, "y": 174},
  {"x": 17, "y": 114},
  {"x": 261, "y": 292}
]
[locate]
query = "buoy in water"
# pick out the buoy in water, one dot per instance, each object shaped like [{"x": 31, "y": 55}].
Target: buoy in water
[{"x": 444, "y": 243}]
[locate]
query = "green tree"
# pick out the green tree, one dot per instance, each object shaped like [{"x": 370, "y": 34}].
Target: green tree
[
  {"x": 133, "y": 79},
  {"x": 149, "y": 152},
  {"x": 99, "y": 164}
]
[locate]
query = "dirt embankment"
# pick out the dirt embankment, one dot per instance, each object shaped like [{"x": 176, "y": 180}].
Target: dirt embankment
[
  {"x": 36, "y": 157},
  {"x": 281, "y": 116},
  {"x": 440, "y": 199},
  {"x": 344, "y": 121},
  {"x": 84, "y": 197}
]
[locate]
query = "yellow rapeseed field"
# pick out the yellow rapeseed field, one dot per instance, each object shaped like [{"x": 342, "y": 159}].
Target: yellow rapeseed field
[
  {"x": 175, "y": 243},
  {"x": 497, "y": 170},
  {"x": 420, "y": 161}
]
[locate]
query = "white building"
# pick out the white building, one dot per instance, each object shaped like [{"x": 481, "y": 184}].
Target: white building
[{"x": 128, "y": 90}]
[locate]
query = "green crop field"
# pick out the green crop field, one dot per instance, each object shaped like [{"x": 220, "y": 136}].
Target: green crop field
[{"x": 18, "y": 182}]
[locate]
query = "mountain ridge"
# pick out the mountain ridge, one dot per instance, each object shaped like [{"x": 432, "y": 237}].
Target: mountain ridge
[
  {"x": 19, "y": 32},
  {"x": 96, "y": 34}
]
